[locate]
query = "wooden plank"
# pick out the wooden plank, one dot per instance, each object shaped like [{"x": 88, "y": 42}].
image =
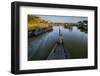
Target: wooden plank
[{"x": 58, "y": 52}]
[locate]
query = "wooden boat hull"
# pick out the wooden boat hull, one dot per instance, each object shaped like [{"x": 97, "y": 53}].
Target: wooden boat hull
[{"x": 58, "y": 52}]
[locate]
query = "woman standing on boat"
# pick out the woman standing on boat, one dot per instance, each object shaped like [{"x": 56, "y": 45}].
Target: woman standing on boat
[{"x": 60, "y": 39}]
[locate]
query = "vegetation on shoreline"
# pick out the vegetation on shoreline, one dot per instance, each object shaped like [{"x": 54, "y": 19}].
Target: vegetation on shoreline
[{"x": 35, "y": 22}]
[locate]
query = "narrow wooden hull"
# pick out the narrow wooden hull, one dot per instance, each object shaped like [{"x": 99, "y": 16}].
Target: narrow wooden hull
[{"x": 58, "y": 52}]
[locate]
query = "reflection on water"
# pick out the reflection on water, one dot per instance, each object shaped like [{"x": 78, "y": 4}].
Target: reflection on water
[{"x": 75, "y": 41}]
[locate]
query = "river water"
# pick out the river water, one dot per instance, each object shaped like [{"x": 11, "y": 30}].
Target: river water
[{"x": 75, "y": 42}]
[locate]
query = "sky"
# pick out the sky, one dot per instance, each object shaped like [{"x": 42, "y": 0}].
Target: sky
[{"x": 67, "y": 19}]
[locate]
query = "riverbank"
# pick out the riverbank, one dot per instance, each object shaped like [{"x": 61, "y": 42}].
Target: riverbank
[{"x": 38, "y": 31}]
